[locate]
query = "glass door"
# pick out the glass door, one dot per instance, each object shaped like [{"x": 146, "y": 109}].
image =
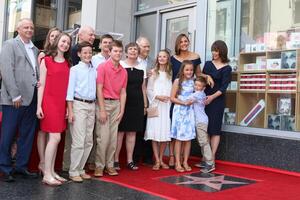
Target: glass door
[{"x": 175, "y": 23}]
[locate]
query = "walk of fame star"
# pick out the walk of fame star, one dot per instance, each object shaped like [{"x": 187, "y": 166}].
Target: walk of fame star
[
  {"x": 207, "y": 182},
  {"x": 215, "y": 182}
]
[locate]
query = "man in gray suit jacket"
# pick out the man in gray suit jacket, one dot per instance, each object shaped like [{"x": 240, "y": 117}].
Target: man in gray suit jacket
[{"x": 19, "y": 71}]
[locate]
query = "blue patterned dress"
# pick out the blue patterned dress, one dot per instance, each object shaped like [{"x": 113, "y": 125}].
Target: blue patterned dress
[{"x": 183, "y": 120}]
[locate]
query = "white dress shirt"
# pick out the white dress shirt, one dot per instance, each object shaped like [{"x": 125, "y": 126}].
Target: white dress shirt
[
  {"x": 29, "y": 49},
  {"x": 97, "y": 60},
  {"x": 143, "y": 65}
]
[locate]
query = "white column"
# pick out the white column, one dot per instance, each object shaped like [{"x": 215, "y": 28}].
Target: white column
[
  {"x": 201, "y": 27},
  {"x": 2, "y": 24},
  {"x": 89, "y": 13}
]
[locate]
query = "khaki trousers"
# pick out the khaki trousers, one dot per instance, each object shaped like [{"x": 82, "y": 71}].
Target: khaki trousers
[
  {"x": 82, "y": 136},
  {"x": 107, "y": 135},
  {"x": 91, "y": 158},
  {"x": 202, "y": 138},
  {"x": 67, "y": 150}
]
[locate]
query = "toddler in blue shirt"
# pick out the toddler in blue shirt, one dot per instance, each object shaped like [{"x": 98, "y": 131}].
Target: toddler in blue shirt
[{"x": 201, "y": 119}]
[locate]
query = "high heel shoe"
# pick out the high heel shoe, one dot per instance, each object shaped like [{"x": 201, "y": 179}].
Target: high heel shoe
[
  {"x": 51, "y": 182},
  {"x": 187, "y": 167},
  {"x": 59, "y": 178},
  {"x": 156, "y": 166},
  {"x": 41, "y": 171},
  {"x": 164, "y": 165},
  {"x": 179, "y": 168}
]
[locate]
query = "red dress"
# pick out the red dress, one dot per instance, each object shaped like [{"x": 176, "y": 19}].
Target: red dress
[{"x": 54, "y": 98}]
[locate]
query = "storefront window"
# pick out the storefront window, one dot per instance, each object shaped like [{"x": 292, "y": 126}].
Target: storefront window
[
  {"x": 175, "y": 26},
  {"x": 264, "y": 92},
  {"x": 73, "y": 13},
  {"x": 221, "y": 24},
  {"x": 146, "y": 27},
  {"x": 146, "y": 4},
  {"x": 17, "y": 9},
  {"x": 44, "y": 19}
]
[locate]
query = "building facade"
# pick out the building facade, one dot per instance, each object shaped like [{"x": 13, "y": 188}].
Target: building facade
[{"x": 263, "y": 37}]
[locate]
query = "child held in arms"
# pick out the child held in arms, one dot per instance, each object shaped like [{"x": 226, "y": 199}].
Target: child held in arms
[{"x": 198, "y": 97}]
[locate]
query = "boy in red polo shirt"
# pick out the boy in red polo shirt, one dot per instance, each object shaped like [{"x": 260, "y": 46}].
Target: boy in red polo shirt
[{"x": 111, "y": 93}]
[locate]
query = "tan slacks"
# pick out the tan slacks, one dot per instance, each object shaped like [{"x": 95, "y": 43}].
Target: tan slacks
[
  {"x": 82, "y": 136},
  {"x": 107, "y": 135},
  {"x": 202, "y": 138},
  {"x": 67, "y": 150}
]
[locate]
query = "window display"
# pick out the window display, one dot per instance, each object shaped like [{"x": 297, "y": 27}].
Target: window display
[{"x": 268, "y": 90}]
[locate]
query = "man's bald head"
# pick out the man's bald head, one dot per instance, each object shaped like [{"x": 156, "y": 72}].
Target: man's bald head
[
  {"x": 144, "y": 45},
  {"x": 86, "y": 34},
  {"x": 142, "y": 39}
]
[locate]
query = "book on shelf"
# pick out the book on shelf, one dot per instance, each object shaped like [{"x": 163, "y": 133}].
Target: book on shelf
[
  {"x": 284, "y": 106},
  {"x": 253, "y": 113},
  {"x": 283, "y": 82},
  {"x": 274, "y": 64},
  {"x": 281, "y": 122},
  {"x": 288, "y": 60},
  {"x": 253, "y": 82}
]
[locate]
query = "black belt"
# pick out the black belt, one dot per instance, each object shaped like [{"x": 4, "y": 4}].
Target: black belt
[
  {"x": 84, "y": 100},
  {"x": 111, "y": 99}
]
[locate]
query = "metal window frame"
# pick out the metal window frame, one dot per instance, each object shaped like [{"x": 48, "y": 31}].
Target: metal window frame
[{"x": 158, "y": 11}]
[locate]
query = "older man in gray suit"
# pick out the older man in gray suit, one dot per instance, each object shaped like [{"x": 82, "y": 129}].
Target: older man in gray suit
[{"x": 19, "y": 71}]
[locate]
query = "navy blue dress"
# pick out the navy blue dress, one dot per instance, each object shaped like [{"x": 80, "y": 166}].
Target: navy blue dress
[
  {"x": 176, "y": 66},
  {"x": 215, "y": 110}
]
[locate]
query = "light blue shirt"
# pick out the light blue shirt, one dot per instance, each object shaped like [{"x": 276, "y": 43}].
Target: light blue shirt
[
  {"x": 198, "y": 106},
  {"x": 97, "y": 60},
  {"x": 82, "y": 82}
]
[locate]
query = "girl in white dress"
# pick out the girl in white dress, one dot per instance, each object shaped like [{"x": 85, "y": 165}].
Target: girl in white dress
[{"x": 158, "y": 92}]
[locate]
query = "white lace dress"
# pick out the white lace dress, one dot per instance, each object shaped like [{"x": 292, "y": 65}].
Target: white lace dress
[{"x": 158, "y": 128}]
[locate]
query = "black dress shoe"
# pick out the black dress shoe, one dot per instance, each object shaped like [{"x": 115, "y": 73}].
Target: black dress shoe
[
  {"x": 8, "y": 178},
  {"x": 26, "y": 174}
]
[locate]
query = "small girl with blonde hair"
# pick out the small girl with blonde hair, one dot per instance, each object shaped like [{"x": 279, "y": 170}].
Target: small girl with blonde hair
[{"x": 183, "y": 120}]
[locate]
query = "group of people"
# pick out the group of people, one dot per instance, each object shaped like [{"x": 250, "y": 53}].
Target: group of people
[{"x": 103, "y": 98}]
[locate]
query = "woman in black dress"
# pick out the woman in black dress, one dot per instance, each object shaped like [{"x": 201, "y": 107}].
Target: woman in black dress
[
  {"x": 220, "y": 71},
  {"x": 136, "y": 102}
]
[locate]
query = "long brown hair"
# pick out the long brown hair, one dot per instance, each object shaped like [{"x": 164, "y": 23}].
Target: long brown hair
[
  {"x": 181, "y": 74},
  {"x": 177, "y": 42},
  {"x": 47, "y": 41},
  {"x": 53, "y": 48},
  {"x": 168, "y": 67},
  {"x": 221, "y": 47}
]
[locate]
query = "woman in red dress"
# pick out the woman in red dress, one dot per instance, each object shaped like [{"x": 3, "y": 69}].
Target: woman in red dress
[
  {"x": 51, "y": 107},
  {"x": 41, "y": 138}
]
